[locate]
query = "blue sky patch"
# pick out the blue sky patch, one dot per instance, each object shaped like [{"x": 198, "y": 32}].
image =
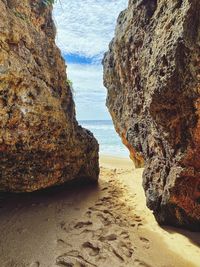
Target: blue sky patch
[
  {"x": 77, "y": 59},
  {"x": 81, "y": 59}
]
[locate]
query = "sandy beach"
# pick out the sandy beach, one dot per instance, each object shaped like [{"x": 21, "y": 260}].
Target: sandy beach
[{"x": 104, "y": 225}]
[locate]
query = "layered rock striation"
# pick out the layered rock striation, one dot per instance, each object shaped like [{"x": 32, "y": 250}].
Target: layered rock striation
[
  {"x": 152, "y": 72},
  {"x": 41, "y": 143}
]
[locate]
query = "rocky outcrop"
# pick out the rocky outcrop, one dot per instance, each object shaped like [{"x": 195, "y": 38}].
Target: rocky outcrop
[
  {"x": 41, "y": 143},
  {"x": 152, "y": 72}
]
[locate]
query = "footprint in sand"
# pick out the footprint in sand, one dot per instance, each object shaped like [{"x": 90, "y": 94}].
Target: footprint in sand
[
  {"x": 65, "y": 227},
  {"x": 105, "y": 199},
  {"x": 82, "y": 224},
  {"x": 98, "y": 204},
  {"x": 139, "y": 263},
  {"x": 138, "y": 219},
  {"x": 88, "y": 213},
  {"x": 124, "y": 234},
  {"x": 73, "y": 259},
  {"x": 68, "y": 262},
  {"x": 62, "y": 243},
  {"x": 126, "y": 248},
  {"x": 110, "y": 237},
  {"x": 145, "y": 242},
  {"x": 104, "y": 188},
  {"x": 122, "y": 250},
  {"x": 138, "y": 225},
  {"x": 35, "y": 264},
  {"x": 108, "y": 212},
  {"x": 117, "y": 254},
  {"x": 93, "y": 250},
  {"x": 104, "y": 219}
]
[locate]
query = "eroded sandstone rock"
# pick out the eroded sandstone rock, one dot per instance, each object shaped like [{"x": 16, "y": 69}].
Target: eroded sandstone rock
[
  {"x": 41, "y": 143},
  {"x": 152, "y": 72}
]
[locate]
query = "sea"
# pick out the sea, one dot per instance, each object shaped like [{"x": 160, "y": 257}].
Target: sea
[{"x": 108, "y": 139}]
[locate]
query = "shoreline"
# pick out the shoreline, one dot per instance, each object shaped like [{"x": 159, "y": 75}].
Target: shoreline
[
  {"x": 116, "y": 162},
  {"x": 103, "y": 155}
]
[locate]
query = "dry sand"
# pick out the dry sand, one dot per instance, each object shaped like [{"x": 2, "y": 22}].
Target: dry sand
[{"x": 105, "y": 225}]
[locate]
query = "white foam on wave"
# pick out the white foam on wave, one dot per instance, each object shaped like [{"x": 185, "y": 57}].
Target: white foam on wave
[{"x": 109, "y": 141}]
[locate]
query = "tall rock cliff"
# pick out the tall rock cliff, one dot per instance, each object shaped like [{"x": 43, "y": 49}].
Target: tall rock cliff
[
  {"x": 41, "y": 143},
  {"x": 152, "y": 72}
]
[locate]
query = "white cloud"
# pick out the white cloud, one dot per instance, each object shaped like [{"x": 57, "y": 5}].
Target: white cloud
[
  {"x": 86, "y": 27},
  {"x": 89, "y": 92}
]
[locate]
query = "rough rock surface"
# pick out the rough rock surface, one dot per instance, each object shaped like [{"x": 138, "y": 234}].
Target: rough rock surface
[
  {"x": 152, "y": 72},
  {"x": 41, "y": 143}
]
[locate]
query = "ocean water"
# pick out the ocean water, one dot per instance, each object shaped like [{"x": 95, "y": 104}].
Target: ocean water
[{"x": 109, "y": 141}]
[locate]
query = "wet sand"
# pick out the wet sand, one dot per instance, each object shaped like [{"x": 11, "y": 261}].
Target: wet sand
[{"x": 104, "y": 225}]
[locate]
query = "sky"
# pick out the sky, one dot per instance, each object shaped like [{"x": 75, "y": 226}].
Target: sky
[{"x": 84, "y": 30}]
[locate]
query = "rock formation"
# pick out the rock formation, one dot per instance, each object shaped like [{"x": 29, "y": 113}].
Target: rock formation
[
  {"x": 41, "y": 143},
  {"x": 152, "y": 72}
]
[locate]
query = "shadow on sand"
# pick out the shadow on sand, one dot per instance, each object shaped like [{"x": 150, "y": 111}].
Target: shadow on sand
[{"x": 193, "y": 237}]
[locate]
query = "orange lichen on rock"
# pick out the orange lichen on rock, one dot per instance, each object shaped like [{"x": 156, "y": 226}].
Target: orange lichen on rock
[{"x": 136, "y": 158}]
